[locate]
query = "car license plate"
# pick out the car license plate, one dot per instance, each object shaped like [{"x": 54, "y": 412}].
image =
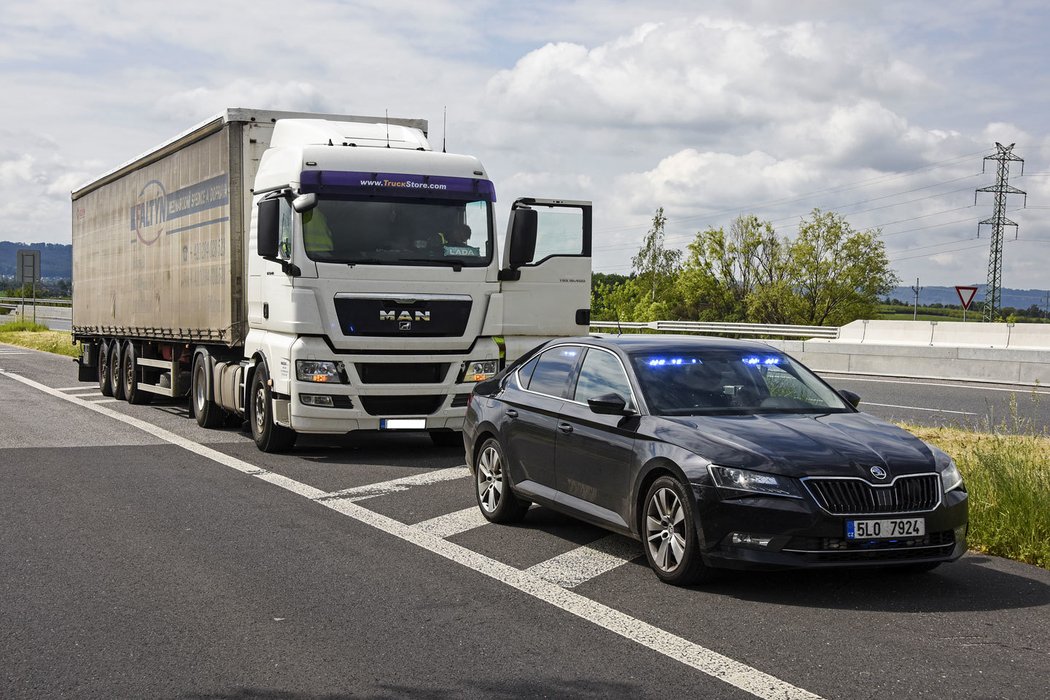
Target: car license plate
[{"x": 885, "y": 529}]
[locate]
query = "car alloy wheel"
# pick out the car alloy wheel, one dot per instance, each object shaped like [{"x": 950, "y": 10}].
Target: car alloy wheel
[
  {"x": 497, "y": 501},
  {"x": 665, "y": 529}
]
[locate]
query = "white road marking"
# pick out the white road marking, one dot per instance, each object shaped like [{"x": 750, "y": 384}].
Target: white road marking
[
  {"x": 917, "y": 408},
  {"x": 576, "y": 566},
  {"x": 453, "y": 523},
  {"x": 705, "y": 660},
  {"x": 1021, "y": 389},
  {"x": 382, "y": 488},
  {"x": 82, "y": 387}
]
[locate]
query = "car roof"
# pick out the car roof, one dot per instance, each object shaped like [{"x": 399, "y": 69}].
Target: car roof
[{"x": 644, "y": 342}]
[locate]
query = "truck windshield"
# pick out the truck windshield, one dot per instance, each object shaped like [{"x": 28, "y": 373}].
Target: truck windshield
[{"x": 396, "y": 231}]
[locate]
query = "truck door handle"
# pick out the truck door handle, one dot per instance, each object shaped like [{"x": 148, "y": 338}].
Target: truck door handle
[
  {"x": 511, "y": 413},
  {"x": 565, "y": 427}
]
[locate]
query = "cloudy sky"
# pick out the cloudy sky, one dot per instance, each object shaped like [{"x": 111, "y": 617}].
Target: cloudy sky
[{"x": 879, "y": 110}]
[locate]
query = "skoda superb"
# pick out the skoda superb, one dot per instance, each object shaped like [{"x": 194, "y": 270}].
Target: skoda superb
[{"x": 714, "y": 453}]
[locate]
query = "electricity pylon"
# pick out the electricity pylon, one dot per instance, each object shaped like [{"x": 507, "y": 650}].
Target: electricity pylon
[{"x": 998, "y": 221}]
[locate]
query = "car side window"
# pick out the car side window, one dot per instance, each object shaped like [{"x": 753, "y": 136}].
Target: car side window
[
  {"x": 526, "y": 370},
  {"x": 601, "y": 373},
  {"x": 551, "y": 375}
]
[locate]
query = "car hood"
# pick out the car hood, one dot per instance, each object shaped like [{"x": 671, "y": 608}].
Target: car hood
[{"x": 838, "y": 444}]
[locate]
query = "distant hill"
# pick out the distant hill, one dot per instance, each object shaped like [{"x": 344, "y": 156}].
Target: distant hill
[
  {"x": 56, "y": 260},
  {"x": 1017, "y": 298}
]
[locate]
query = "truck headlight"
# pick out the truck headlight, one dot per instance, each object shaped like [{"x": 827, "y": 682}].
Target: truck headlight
[
  {"x": 758, "y": 483},
  {"x": 320, "y": 371},
  {"x": 478, "y": 370}
]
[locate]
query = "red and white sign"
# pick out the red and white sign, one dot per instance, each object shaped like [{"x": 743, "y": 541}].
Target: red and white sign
[{"x": 966, "y": 295}]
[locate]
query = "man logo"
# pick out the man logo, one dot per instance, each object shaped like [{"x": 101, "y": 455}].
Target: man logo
[
  {"x": 404, "y": 325},
  {"x": 403, "y": 315},
  {"x": 878, "y": 472}
]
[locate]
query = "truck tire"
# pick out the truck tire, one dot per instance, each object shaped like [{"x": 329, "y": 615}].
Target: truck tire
[
  {"x": 116, "y": 355},
  {"x": 131, "y": 378},
  {"x": 206, "y": 411},
  {"x": 104, "y": 380},
  {"x": 269, "y": 437}
]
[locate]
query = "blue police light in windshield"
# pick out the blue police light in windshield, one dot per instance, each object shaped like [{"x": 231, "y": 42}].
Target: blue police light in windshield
[
  {"x": 768, "y": 360},
  {"x": 672, "y": 361}
]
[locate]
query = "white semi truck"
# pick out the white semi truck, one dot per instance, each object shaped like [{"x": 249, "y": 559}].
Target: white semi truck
[{"x": 316, "y": 274}]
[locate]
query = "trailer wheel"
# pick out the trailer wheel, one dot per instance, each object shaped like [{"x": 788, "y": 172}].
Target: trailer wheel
[
  {"x": 116, "y": 379},
  {"x": 104, "y": 382},
  {"x": 131, "y": 378},
  {"x": 269, "y": 437},
  {"x": 206, "y": 411}
]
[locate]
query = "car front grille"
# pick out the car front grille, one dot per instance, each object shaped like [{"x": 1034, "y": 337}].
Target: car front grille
[{"x": 907, "y": 494}]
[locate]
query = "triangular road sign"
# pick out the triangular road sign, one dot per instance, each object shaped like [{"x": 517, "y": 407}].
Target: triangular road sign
[{"x": 966, "y": 295}]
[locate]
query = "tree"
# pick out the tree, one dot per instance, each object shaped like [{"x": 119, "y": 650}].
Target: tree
[
  {"x": 655, "y": 265},
  {"x": 837, "y": 274}
]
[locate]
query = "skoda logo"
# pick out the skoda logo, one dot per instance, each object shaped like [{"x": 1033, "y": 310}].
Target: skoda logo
[{"x": 878, "y": 472}]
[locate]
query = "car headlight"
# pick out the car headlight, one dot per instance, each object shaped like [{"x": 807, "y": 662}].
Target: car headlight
[
  {"x": 744, "y": 480},
  {"x": 320, "y": 371},
  {"x": 478, "y": 370},
  {"x": 951, "y": 478}
]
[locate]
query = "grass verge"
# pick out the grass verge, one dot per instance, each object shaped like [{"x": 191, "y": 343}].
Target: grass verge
[
  {"x": 38, "y": 337},
  {"x": 1008, "y": 479}
]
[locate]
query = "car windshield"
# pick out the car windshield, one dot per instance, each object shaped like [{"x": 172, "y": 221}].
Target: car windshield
[
  {"x": 399, "y": 231},
  {"x": 724, "y": 381}
]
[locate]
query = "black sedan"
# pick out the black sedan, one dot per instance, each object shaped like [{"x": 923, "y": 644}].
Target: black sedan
[{"x": 714, "y": 453}]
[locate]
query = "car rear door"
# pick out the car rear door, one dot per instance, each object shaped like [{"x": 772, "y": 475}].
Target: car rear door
[
  {"x": 531, "y": 408},
  {"x": 594, "y": 456}
]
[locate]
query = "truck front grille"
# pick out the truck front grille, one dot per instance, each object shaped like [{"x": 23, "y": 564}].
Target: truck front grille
[
  {"x": 401, "y": 405},
  {"x": 402, "y": 372}
]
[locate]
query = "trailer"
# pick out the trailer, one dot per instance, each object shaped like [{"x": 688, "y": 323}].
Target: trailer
[{"x": 316, "y": 274}]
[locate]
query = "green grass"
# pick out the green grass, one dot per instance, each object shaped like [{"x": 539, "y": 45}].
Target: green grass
[
  {"x": 27, "y": 334},
  {"x": 1008, "y": 479}
]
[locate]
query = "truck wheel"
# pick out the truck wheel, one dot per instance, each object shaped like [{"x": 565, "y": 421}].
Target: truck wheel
[
  {"x": 269, "y": 437},
  {"x": 115, "y": 369},
  {"x": 104, "y": 382},
  {"x": 131, "y": 378},
  {"x": 206, "y": 411}
]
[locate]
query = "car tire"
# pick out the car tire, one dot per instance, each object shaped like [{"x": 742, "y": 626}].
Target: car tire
[
  {"x": 105, "y": 381},
  {"x": 132, "y": 393},
  {"x": 268, "y": 436},
  {"x": 669, "y": 538},
  {"x": 492, "y": 488}
]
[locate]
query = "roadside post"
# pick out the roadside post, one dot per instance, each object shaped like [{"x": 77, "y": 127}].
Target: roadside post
[
  {"x": 27, "y": 271},
  {"x": 966, "y": 295}
]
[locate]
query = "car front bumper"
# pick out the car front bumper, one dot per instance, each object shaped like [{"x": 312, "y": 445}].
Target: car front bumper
[{"x": 778, "y": 533}]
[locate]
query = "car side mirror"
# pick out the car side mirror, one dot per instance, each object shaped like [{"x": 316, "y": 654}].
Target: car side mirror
[
  {"x": 851, "y": 398},
  {"x": 523, "y": 225},
  {"x": 267, "y": 227},
  {"x": 609, "y": 405}
]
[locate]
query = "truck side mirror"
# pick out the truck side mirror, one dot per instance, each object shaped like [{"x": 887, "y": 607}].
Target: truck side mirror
[
  {"x": 268, "y": 227},
  {"x": 304, "y": 202},
  {"x": 522, "y": 236}
]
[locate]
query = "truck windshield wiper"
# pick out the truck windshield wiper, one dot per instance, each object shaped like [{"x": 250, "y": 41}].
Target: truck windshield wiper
[{"x": 454, "y": 263}]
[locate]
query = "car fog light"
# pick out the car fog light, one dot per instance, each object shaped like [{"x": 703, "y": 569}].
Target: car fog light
[
  {"x": 749, "y": 540},
  {"x": 316, "y": 400}
]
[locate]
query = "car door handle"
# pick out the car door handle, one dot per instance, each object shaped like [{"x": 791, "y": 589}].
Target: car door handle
[
  {"x": 565, "y": 427},
  {"x": 511, "y": 413}
]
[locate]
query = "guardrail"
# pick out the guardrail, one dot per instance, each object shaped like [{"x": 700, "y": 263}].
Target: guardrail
[
  {"x": 40, "y": 301},
  {"x": 762, "y": 329}
]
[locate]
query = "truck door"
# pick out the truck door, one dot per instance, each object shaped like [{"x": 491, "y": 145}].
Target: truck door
[{"x": 546, "y": 275}]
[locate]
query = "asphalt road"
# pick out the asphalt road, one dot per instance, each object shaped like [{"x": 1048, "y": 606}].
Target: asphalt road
[{"x": 142, "y": 556}]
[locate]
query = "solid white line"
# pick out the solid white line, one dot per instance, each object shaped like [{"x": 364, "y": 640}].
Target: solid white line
[
  {"x": 382, "y": 488},
  {"x": 917, "y": 408},
  {"x": 1021, "y": 389},
  {"x": 89, "y": 387},
  {"x": 576, "y": 566},
  {"x": 453, "y": 523},
  {"x": 710, "y": 662}
]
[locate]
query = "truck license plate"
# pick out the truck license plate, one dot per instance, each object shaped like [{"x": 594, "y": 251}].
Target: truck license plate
[
  {"x": 402, "y": 423},
  {"x": 885, "y": 529}
]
